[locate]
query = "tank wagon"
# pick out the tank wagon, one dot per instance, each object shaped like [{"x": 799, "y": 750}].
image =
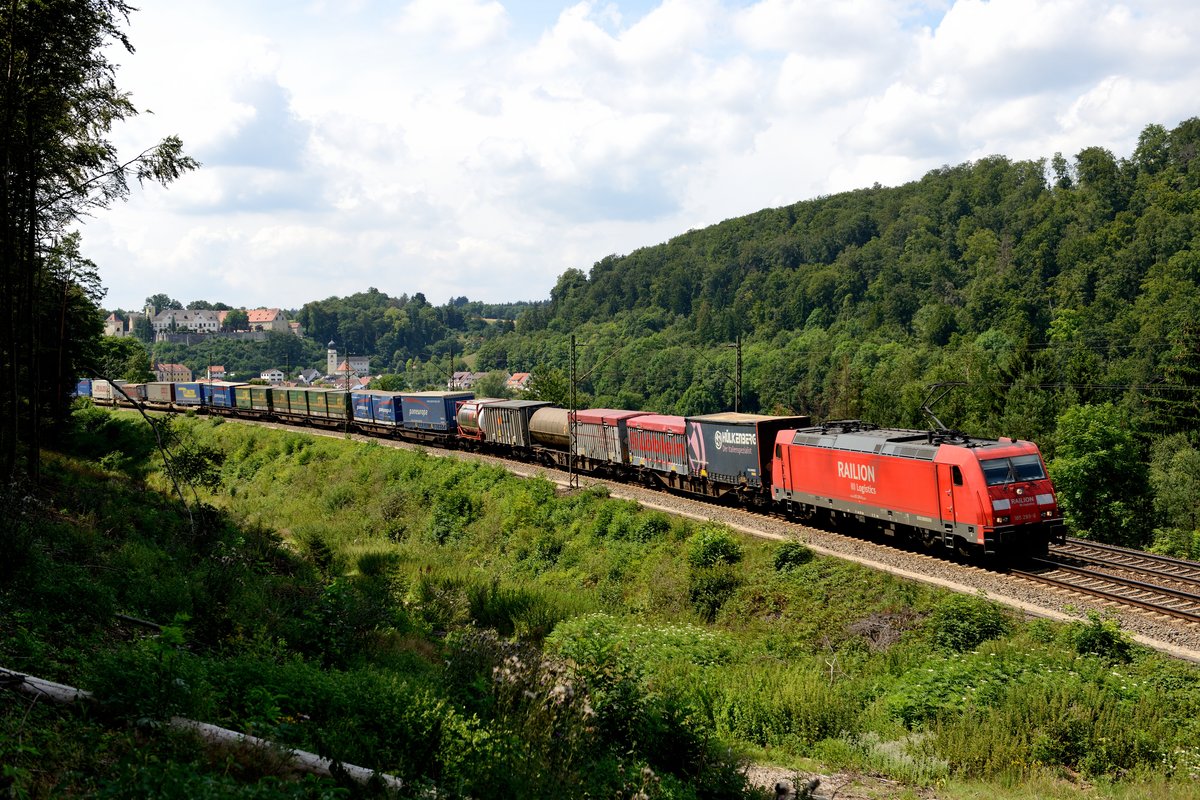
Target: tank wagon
[
  {"x": 946, "y": 490},
  {"x": 470, "y": 418}
]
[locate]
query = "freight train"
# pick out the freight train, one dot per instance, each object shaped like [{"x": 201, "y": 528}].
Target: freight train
[{"x": 945, "y": 490}]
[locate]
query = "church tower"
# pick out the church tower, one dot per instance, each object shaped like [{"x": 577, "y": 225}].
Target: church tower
[{"x": 331, "y": 362}]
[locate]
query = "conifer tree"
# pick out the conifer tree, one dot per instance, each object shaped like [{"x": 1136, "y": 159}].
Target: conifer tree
[{"x": 58, "y": 102}]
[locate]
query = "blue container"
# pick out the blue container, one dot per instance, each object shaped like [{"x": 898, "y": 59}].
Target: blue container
[
  {"x": 432, "y": 411},
  {"x": 379, "y": 407},
  {"x": 83, "y": 388},
  {"x": 360, "y": 403},
  {"x": 385, "y": 408},
  {"x": 191, "y": 393},
  {"x": 221, "y": 394}
]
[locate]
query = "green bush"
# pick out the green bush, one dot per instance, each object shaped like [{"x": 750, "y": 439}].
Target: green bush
[
  {"x": 591, "y": 637},
  {"x": 152, "y": 679},
  {"x": 378, "y": 563},
  {"x": 710, "y": 587},
  {"x": 1176, "y": 542},
  {"x": 510, "y": 610},
  {"x": 784, "y": 705},
  {"x": 790, "y": 555},
  {"x": 453, "y": 511},
  {"x": 651, "y": 526},
  {"x": 116, "y": 441},
  {"x": 1100, "y": 637},
  {"x": 712, "y": 545},
  {"x": 186, "y": 781},
  {"x": 960, "y": 622}
]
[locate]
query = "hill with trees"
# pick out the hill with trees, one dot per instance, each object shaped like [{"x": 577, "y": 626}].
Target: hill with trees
[
  {"x": 1049, "y": 270},
  {"x": 1061, "y": 295}
]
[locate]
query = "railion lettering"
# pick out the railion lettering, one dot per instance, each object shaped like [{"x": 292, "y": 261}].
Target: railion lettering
[{"x": 856, "y": 472}]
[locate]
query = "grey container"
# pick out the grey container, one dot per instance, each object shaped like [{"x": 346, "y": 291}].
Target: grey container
[
  {"x": 600, "y": 433},
  {"x": 160, "y": 392},
  {"x": 507, "y": 422}
]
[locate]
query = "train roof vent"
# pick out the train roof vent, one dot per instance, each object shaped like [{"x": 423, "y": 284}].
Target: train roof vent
[
  {"x": 815, "y": 439},
  {"x": 859, "y": 444},
  {"x": 923, "y": 453}
]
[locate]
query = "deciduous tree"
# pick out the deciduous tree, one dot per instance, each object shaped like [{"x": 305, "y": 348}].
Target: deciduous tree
[{"x": 1101, "y": 480}]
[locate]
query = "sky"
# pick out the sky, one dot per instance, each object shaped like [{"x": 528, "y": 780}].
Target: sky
[{"x": 483, "y": 147}]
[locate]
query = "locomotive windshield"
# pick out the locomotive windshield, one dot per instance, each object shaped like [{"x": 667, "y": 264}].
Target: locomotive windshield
[{"x": 998, "y": 471}]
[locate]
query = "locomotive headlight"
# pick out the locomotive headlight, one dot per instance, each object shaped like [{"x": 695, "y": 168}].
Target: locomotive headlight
[
  {"x": 1047, "y": 513},
  {"x": 1002, "y": 520},
  {"x": 1020, "y": 490}
]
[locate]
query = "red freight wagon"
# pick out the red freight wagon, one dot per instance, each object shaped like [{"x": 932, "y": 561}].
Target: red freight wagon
[
  {"x": 599, "y": 434},
  {"x": 658, "y": 442},
  {"x": 958, "y": 491}
]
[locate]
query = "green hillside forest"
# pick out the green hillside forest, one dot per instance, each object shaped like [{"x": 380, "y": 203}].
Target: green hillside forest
[{"x": 475, "y": 634}]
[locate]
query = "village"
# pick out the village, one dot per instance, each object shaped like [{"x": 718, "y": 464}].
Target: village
[{"x": 194, "y": 326}]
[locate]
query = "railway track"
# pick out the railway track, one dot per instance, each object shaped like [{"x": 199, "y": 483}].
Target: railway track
[
  {"x": 1134, "y": 561},
  {"x": 1159, "y": 584}
]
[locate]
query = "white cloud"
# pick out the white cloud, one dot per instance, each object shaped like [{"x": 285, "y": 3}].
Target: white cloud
[
  {"x": 459, "y": 24},
  {"x": 861, "y": 27},
  {"x": 462, "y": 147}
]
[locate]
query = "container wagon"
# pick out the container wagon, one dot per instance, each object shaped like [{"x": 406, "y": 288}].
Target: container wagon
[
  {"x": 433, "y": 411},
  {"x": 731, "y": 452}
]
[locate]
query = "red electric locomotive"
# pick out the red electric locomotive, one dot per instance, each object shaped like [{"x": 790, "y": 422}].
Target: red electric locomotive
[{"x": 971, "y": 494}]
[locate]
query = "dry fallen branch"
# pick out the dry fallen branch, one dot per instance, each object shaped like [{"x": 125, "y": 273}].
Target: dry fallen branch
[{"x": 300, "y": 760}]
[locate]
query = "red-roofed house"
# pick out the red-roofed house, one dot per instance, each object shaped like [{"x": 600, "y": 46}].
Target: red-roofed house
[
  {"x": 114, "y": 326},
  {"x": 216, "y": 373},
  {"x": 172, "y": 372},
  {"x": 519, "y": 382},
  {"x": 355, "y": 365},
  {"x": 267, "y": 319}
]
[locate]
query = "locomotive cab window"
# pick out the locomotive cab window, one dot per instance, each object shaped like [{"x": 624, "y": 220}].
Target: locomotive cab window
[
  {"x": 956, "y": 475},
  {"x": 1027, "y": 468},
  {"x": 996, "y": 471},
  {"x": 999, "y": 471}
]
